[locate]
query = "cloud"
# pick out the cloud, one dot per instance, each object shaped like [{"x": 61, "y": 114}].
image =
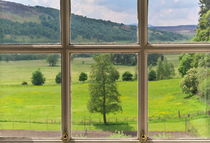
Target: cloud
[
  {"x": 45, "y": 3},
  {"x": 161, "y": 12},
  {"x": 173, "y": 12},
  {"x": 107, "y": 10},
  {"x": 119, "y": 5}
]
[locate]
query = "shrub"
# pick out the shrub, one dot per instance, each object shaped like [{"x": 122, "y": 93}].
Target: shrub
[
  {"x": 83, "y": 76},
  {"x": 24, "y": 83},
  {"x": 38, "y": 78},
  {"x": 189, "y": 83},
  {"x": 152, "y": 75},
  {"x": 127, "y": 76},
  {"x": 58, "y": 78}
]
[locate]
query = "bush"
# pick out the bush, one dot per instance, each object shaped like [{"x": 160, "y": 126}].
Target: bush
[
  {"x": 127, "y": 76},
  {"x": 38, "y": 78},
  {"x": 190, "y": 82},
  {"x": 58, "y": 78},
  {"x": 83, "y": 76},
  {"x": 152, "y": 75},
  {"x": 24, "y": 83}
]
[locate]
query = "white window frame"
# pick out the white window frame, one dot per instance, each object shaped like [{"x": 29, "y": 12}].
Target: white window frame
[{"x": 143, "y": 47}]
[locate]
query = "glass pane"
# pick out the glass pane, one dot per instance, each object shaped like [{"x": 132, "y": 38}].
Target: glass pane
[
  {"x": 104, "y": 95},
  {"x": 29, "y": 96},
  {"x": 23, "y": 22},
  {"x": 104, "y": 22},
  {"x": 179, "y": 96},
  {"x": 178, "y": 21}
]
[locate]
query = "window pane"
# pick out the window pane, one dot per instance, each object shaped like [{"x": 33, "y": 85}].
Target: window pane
[
  {"x": 29, "y": 96},
  {"x": 23, "y": 22},
  {"x": 104, "y": 95},
  {"x": 104, "y": 22},
  {"x": 178, "y": 21},
  {"x": 179, "y": 96}
]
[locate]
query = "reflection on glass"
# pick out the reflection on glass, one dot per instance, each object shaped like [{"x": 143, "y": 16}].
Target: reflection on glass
[
  {"x": 177, "y": 21},
  {"x": 104, "y": 22},
  {"x": 179, "y": 96},
  {"x": 29, "y": 21},
  {"x": 104, "y": 96},
  {"x": 29, "y": 96}
]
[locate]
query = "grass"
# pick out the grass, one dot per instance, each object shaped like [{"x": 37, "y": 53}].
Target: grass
[
  {"x": 39, "y": 107},
  {"x": 15, "y": 72}
]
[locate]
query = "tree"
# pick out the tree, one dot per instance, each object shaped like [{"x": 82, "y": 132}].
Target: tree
[
  {"x": 52, "y": 59},
  {"x": 205, "y": 6},
  {"x": 127, "y": 76},
  {"x": 83, "y": 76},
  {"x": 58, "y": 78},
  {"x": 153, "y": 59},
  {"x": 189, "y": 83},
  {"x": 203, "y": 29},
  {"x": 185, "y": 63},
  {"x": 38, "y": 78},
  {"x": 165, "y": 70},
  {"x": 104, "y": 96}
]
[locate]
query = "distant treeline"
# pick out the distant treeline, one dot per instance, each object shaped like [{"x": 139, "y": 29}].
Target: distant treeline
[
  {"x": 118, "y": 59},
  {"x": 124, "y": 59},
  {"x": 18, "y": 57}
]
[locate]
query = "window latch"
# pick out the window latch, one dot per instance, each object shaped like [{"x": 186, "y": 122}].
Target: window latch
[
  {"x": 65, "y": 136},
  {"x": 144, "y": 137}
]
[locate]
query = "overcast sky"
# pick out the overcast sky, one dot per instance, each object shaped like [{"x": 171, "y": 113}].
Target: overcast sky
[{"x": 161, "y": 12}]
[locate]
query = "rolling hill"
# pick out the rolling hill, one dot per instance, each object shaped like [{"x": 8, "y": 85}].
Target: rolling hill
[
  {"x": 35, "y": 24},
  {"x": 186, "y": 30}
]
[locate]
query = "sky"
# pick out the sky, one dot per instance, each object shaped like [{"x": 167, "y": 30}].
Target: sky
[{"x": 161, "y": 12}]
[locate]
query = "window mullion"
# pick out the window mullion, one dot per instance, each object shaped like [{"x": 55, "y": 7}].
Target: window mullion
[
  {"x": 143, "y": 22},
  {"x": 65, "y": 15},
  {"x": 142, "y": 70}
]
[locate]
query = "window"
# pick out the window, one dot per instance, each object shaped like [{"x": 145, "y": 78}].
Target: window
[{"x": 122, "y": 82}]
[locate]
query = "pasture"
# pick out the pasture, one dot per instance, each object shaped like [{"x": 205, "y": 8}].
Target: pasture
[{"x": 39, "y": 107}]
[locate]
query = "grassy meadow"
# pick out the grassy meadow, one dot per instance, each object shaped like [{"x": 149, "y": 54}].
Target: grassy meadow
[{"x": 31, "y": 107}]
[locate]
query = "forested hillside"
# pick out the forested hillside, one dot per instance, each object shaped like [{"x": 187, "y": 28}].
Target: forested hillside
[{"x": 26, "y": 24}]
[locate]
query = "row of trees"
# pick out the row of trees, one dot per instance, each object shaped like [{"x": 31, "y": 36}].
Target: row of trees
[
  {"x": 126, "y": 76},
  {"x": 39, "y": 79}
]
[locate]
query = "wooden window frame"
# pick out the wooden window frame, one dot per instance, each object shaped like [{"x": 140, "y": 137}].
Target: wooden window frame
[{"x": 142, "y": 47}]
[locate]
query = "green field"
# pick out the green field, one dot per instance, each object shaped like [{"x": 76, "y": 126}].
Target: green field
[{"x": 39, "y": 107}]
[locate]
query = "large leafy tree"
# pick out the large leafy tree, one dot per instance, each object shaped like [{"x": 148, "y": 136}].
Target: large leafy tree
[
  {"x": 104, "y": 96},
  {"x": 203, "y": 30},
  {"x": 205, "y": 6}
]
